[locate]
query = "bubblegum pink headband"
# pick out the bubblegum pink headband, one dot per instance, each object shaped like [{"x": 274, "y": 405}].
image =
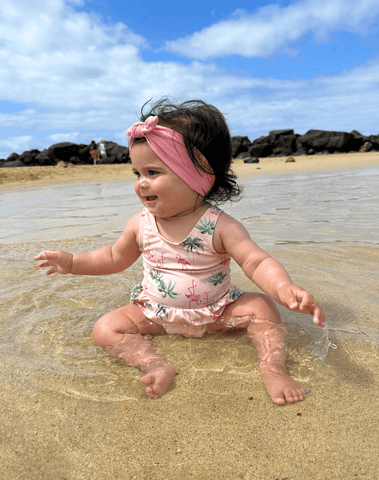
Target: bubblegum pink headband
[{"x": 169, "y": 146}]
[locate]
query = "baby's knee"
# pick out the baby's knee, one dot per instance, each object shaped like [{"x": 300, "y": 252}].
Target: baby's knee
[
  {"x": 109, "y": 329},
  {"x": 265, "y": 307}
]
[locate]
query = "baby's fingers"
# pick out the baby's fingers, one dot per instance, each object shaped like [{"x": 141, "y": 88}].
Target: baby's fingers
[
  {"x": 318, "y": 315},
  {"x": 46, "y": 255}
]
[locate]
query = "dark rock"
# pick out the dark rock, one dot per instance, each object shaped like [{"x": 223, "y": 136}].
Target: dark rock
[
  {"x": 260, "y": 150},
  {"x": 118, "y": 153},
  {"x": 366, "y": 147},
  {"x": 285, "y": 145},
  {"x": 374, "y": 140},
  {"x": 251, "y": 160},
  {"x": 76, "y": 161},
  {"x": 13, "y": 163},
  {"x": 43, "y": 160},
  {"x": 243, "y": 155},
  {"x": 300, "y": 151},
  {"x": 320, "y": 140},
  {"x": 239, "y": 145},
  {"x": 275, "y": 134},
  {"x": 63, "y": 151},
  {"x": 13, "y": 156},
  {"x": 261, "y": 139},
  {"x": 29, "y": 157}
]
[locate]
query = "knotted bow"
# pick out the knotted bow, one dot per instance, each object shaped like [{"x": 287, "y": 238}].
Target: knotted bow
[{"x": 169, "y": 146}]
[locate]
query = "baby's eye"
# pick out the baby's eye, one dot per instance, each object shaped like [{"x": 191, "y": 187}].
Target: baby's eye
[
  {"x": 153, "y": 172},
  {"x": 136, "y": 173}
]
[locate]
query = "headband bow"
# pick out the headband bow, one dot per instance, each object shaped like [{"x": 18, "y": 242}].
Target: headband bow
[{"x": 169, "y": 146}]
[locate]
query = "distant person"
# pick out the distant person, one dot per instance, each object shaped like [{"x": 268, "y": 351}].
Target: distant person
[
  {"x": 181, "y": 156},
  {"x": 103, "y": 152},
  {"x": 94, "y": 152}
]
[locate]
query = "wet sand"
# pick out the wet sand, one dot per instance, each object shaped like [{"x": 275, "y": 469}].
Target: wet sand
[{"x": 216, "y": 421}]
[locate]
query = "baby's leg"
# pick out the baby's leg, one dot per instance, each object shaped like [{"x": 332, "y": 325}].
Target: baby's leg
[
  {"x": 262, "y": 320},
  {"x": 119, "y": 332}
]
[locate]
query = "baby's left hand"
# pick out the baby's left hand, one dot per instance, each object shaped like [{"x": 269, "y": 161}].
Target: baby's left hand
[{"x": 299, "y": 300}]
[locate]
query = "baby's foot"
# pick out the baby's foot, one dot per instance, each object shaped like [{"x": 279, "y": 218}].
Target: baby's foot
[
  {"x": 282, "y": 388},
  {"x": 158, "y": 380}
]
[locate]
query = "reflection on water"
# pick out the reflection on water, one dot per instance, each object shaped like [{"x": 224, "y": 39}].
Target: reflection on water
[{"x": 46, "y": 322}]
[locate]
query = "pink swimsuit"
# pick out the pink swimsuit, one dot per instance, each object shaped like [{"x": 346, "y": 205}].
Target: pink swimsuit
[{"x": 187, "y": 284}]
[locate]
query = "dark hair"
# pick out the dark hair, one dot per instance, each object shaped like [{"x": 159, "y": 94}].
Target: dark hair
[{"x": 204, "y": 129}]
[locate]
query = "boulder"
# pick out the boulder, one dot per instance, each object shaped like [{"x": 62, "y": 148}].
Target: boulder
[
  {"x": 239, "y": 145},
  {"x": 118, "y": 153},
  {"x": 12, "y": 163},
  {"x": 13, "y": 156},
  {"x": 63, "y": 151},
  {"x": 260, "y": 150},
  {"x": 29, "y": 157},
  {"x": 374, "y": 140},
  {"x": 251, "y": 160},
  {"x": 285, "y": 145},
  {"x": 366, "y": 147},
  {"x": 275, "y": 134},
  {"x": 43, "y": 160},
  {"x": 322, "y": 140}
]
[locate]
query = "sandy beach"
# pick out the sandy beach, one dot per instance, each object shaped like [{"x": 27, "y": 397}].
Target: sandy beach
[
  {"x": 216, "y": 421},
  {"x": 62, "y": 173}
]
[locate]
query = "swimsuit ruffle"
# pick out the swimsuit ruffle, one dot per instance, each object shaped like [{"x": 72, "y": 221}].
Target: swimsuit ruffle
[{"x": 188, "y": 322}]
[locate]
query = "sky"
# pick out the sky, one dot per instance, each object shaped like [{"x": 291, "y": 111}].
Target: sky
[{"x": 80, "y": 70}]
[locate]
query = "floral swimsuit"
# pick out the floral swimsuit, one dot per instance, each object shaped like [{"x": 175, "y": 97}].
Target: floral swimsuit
[{"x": 186, "y": 285}]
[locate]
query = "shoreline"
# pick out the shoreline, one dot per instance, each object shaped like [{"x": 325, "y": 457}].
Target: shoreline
[{"x": 25, "y": 177}]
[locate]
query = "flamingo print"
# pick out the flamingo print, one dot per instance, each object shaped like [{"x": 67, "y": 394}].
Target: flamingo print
[
  {"x": 193, "y": 297},
  {"x": 160, "y": 263},
  {"x": 183, "y": 262}
]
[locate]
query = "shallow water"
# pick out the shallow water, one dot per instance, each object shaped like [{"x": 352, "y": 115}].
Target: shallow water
[
  {"x": 46, "y": 322},
  {"x": 67, "y": 400}
]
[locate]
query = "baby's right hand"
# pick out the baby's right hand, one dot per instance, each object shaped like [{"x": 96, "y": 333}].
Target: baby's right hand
[{"x": 61, "y": 262}]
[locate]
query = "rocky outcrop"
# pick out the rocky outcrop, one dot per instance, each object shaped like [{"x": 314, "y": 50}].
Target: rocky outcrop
[
  {"x": 281, "y": 143},
  {"x": 77, "y": 154},
  {"x": 278, "y": 143}
]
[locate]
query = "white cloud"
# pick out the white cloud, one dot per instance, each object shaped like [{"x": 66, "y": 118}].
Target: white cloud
[
  {"x": 16, "y": 144},
  {"x": 274, "y": 28},
  {"x": 63, "y": 137},
  {"x": 78, "y": 78}
]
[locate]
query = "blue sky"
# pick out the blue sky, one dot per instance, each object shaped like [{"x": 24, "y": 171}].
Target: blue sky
[{"x": 77, "y": 70}]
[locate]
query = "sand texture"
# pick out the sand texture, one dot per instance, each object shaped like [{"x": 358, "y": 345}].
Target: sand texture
[
  {"x": 62, "y": 173},
  {"x": 216, "y": 421}
]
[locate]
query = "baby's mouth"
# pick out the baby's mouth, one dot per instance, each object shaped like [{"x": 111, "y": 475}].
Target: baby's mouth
[{"x": 151, "y": 198}]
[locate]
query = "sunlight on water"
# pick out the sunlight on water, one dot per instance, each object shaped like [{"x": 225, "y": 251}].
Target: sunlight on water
[{"x": 46, "y": 322}]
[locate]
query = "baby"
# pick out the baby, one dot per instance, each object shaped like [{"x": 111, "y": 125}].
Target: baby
[{"x": 181, "y": 157}]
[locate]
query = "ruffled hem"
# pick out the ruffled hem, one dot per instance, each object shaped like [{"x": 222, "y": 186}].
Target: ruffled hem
[{"x": 188, "y": 322}]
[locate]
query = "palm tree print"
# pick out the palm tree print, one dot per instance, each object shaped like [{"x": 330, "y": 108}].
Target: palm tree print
[
  {"x": 217, "y": 278},
  {"x": 164, "y": 289},
  {"x": 206, "y": 226},
  {"x": 193, "y": 244},
  {"x": 235, "y": 293},
  {"x": 167, "y": 289},
  {"x": 135, "y": 293},
  {"x": 162, "y": 311}
]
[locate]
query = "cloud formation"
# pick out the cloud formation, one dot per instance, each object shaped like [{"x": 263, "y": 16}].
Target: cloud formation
[
  {"x": 71, "y": 76},
  {"x": 273, "y": 29}
]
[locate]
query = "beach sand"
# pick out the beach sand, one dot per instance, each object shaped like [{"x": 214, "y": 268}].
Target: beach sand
[
  {"x": 20, "y": 177},
  {"x": 216, "y": 421}
]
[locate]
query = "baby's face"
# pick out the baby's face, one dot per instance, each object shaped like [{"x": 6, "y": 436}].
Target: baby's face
[{"x": 159, "y": 188}]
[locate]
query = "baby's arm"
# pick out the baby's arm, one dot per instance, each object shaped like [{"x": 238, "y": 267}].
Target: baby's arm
[
  {"x": 266, "y": 272},
  {"x": 102, "y": 261}
]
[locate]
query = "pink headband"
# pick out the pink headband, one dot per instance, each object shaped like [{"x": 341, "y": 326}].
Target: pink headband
[{"x": 169, "y": 146}]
